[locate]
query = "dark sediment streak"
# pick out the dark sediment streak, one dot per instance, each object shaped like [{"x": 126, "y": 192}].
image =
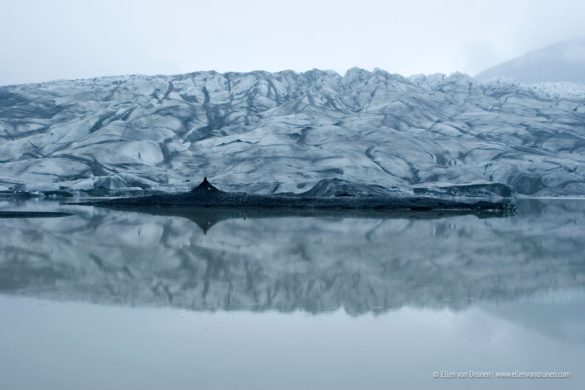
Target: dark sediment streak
[{"x": 33, "y": 214}]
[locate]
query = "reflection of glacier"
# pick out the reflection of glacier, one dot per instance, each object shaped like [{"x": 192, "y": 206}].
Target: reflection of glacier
[{"x": 312, "y": 264}]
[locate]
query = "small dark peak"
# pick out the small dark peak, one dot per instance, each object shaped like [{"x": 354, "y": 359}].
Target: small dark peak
[{"x": 205, "y": 187}]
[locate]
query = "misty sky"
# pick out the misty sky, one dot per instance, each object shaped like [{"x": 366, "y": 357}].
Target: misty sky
[{"x": 55, "y": 39}]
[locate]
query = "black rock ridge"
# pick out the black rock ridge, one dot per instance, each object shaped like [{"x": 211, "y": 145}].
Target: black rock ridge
[{"x": 334, "y": 194}]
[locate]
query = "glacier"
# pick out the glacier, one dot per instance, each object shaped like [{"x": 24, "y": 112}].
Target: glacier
[{"x": 264, "y": 133}]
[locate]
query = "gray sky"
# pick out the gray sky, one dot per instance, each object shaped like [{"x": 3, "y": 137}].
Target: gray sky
[{"x": 55, "y": 39}]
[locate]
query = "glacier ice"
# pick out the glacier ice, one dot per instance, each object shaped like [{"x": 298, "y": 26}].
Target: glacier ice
[{"x": 264, "y": 132}]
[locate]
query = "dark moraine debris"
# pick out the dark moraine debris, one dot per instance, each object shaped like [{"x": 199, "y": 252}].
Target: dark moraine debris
[
  {"x": 33, "y": 214},
  {"x": 19, "y": 195},
  {"x": 328, "y": 194}
]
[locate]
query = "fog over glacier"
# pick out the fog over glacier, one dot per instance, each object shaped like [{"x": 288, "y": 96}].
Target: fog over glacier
[
  {"x": 561, "y": 62},
  {"x": 69, "y": 39}
]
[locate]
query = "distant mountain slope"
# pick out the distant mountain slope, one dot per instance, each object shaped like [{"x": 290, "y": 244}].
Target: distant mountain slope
[
  {"x": 268, "y": 132},
  {"x": 563, "y": 61}
]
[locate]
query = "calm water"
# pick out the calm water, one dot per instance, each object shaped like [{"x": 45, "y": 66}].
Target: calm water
[{"x": 122, "y": 300}]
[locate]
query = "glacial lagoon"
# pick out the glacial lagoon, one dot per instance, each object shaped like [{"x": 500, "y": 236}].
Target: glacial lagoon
[{"x": 108, "y": 299}]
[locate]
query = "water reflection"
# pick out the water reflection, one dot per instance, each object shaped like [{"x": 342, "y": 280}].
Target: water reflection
[
  {"x": 206, "y": 218},
  {"x": 315, "y": 264}
]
